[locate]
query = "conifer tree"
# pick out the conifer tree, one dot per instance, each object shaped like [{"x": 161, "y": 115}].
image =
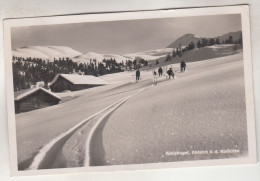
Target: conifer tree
[
  {"x": 230, "y": 39},
  {"x": 211, "y": 42},
  {"x": 173, "y": 53},
  {"x": 168, "y": 58},
  {"x": 198, "y": 44},
  {"x": 217, "y": 41}
]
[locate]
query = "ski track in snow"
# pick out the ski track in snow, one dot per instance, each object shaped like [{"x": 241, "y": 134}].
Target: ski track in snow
[
  {"x": 87, "y": 153},
  {"x": 44, "y": 153}
]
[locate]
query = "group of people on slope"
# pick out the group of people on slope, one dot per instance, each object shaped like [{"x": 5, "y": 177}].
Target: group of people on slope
[{"x": 160, "y": 72}]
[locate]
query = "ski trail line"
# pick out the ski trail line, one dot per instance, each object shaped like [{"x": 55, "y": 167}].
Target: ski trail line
[
  {"x": 88, "y": 142},
  {"x": 42, "y": 152}
]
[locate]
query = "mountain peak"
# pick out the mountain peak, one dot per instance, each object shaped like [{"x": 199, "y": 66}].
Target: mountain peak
[
  {"x": 188, "y": 35},
  {"x": 184, "y": 40}
]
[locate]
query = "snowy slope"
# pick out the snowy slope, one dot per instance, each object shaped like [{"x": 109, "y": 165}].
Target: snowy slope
[
  {"x": 205, "y": 53},
  {"x": 235, "y": 36},
  {"x": 150, "y": 55},
  {"x": 86, "y": 57},
  {"x": 45, "y": 52},
  {"x": 196, "y": 54},
  {"x": 186, "y": 39},
  {"x": 202, "y": 109},
  {"x": 147, "y": 55}
]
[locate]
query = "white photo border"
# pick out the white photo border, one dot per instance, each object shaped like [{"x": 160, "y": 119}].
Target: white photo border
[{"x": 68, "y": 19}]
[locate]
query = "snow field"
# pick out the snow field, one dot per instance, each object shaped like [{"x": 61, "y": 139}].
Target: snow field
[{"x": 203, "y": 109}]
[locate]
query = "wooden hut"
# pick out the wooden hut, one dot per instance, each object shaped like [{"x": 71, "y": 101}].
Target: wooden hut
[
  {"x": 74, "y": 82},
  {"x": 35, "y": 98}
]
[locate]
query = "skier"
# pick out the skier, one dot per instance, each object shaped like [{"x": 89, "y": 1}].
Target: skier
[
  {"x": 137, "y": 74},
  {"x": 160, "y": 71},
  {"x": 183, "y": 66},
  {"x": 170, "y": 73},
  {"x": 154, "y": 77}
]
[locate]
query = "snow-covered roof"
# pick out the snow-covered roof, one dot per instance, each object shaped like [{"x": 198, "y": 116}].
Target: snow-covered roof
[
  {"x": 80, "y": 79},
  {"x": 24, "y": 93}
]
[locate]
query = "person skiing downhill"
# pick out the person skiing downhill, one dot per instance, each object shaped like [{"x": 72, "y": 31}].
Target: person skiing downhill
[
  {"x": 154, "y": 77},
  {"x": 183, "y": 66},
  {"x": 170, "y": 73},
  {"x": 137, "y": 74},
  {"x": 160, "y": 71}
]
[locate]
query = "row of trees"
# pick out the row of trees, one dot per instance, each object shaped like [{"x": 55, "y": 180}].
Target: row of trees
[
  {"x": 209, "y": 42},
  {"x": 29, "y": 71}
]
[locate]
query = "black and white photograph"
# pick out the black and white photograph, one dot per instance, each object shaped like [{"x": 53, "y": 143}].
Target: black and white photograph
[{"x": 101, "y": 91}]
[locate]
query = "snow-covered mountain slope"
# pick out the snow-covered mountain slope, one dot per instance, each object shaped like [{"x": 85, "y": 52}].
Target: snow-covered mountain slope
[
  {"x": 150, "y": 55},
  {"x": 147, "y": 55},
  {"x": 86, "y": 57},
  {"x": 45, "y": 52},
  {"x": 186, "y": 39},
  {"x": 205, "y": 53},
  {"x": 235, "y": 36}
]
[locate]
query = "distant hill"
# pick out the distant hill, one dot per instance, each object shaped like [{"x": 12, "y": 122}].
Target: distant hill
[
  {"x": 86, "y": 57},
  {"x": 150, "y": 55},
  {"x": 186, "y": 39},
  {"x": 45, "y": 52}
]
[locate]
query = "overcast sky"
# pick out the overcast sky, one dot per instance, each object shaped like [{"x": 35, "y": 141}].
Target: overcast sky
[{"x": 122, "y": 37}]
